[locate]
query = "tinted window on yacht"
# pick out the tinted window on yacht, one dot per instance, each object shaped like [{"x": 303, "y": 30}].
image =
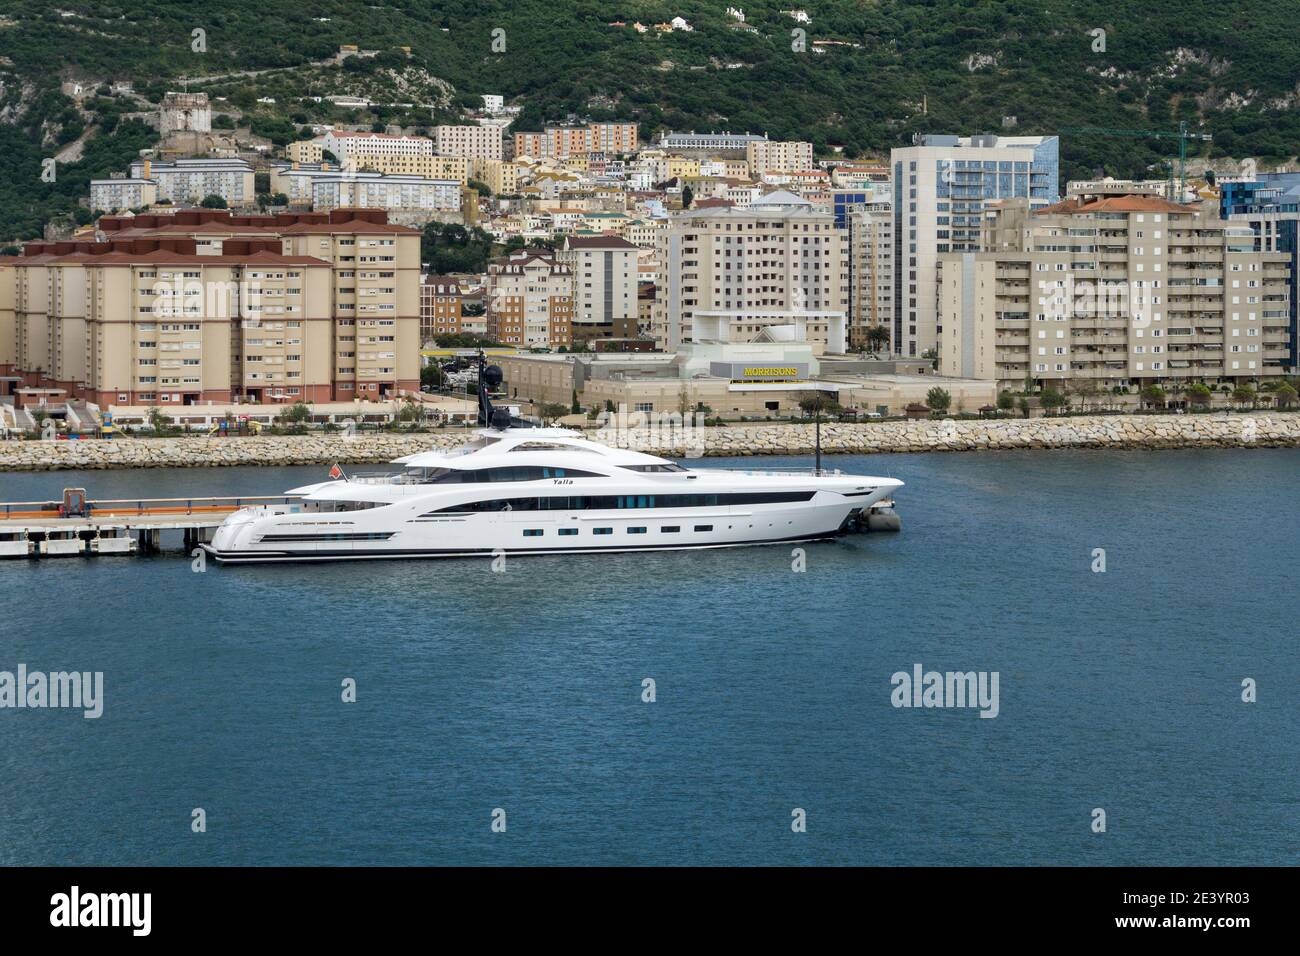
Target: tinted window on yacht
[
  {"x": 452, "y": 476},
  {"x": 667, "y": 466},
  {"x": 617, "y": 502}
]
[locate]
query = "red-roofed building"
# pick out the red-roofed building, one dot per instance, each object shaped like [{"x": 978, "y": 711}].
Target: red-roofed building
[{"x": 204, "y": 306}]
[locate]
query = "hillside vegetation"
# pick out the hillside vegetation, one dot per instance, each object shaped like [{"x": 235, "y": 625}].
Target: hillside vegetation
[{"x": 894, "y": 69}]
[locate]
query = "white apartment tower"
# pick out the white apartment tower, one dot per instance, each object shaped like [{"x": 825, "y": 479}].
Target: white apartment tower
[
  {"x": 774, "y": 270},
  {"x": 941, "y": 185}
]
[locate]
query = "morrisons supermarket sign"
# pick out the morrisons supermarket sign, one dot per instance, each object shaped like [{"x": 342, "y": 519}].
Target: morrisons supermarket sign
[{"x": 740, "y": 372}]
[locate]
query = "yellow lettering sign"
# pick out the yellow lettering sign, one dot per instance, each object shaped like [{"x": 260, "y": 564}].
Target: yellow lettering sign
[{"x": 771, "y": 372}]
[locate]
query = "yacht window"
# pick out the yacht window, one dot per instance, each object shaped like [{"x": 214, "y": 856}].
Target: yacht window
[
  {"x": 667, "y": 466},
  {"x": 568, "y": 531},
  {"x": 671, "y": 528},
  {"x": 452, "y": 476},
  {"x": 621, "y": 502},
  {"x": 704, "y": 527},
  {"x": 548, "y": 446},
  {"x": 636, "y": 530},
  {"x": 331, "y": 506},
  {"x": 532, "y": 532},
  {"x": 602, "y": 530}
]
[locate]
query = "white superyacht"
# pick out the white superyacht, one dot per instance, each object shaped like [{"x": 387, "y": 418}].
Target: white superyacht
[{"x": 524, "y": 490}]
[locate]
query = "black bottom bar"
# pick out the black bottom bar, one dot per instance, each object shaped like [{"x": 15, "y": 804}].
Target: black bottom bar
[{"x": 979, "y": 906}]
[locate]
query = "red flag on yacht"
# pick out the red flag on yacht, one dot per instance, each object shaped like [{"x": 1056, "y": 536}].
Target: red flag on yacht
[{"x": 336, "y": 472}]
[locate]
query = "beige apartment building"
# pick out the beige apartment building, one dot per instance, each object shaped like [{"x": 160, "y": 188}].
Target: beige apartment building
[
  {"x": 776, "y": 269},
  {"x": 500, "y": 177},
  {"x": 764, "y": 156},
  {"x": 530, "y": 300},
  {"x": 604, "y": 270},
  {"x": 469, "y": 142},
  {"x": 870, "y": 237},
  {"x": 415, "y": 164},
  {"x": 1117, "y": 290},
  {"x": 204, "y": 306},
  {"x": 305, "y": 151}
]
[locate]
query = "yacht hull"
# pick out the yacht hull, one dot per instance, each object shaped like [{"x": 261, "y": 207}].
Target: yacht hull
[{"x": 549, "y": 533}]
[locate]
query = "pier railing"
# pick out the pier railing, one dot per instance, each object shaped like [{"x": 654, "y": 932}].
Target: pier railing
[{"x": 14, "y": 510}]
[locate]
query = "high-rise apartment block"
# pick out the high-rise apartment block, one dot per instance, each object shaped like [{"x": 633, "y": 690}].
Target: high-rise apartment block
[
  {"x": 202, "y": 306},
  {"x": 870, "y": 239},
  {"x": 940, "y": 188},
  {"x": 604, "y": 270},
  {"x": 774, "y": 269},
  {"x": 1117, "y": 291},
  {"x": 1270, "y": 205}
]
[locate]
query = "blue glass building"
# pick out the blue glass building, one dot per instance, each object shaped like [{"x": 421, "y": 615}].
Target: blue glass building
[{"x": 1270, "y": 203}]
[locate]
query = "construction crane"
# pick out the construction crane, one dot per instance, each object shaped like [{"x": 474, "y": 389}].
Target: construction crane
[{"x": 1182, "y": 134}]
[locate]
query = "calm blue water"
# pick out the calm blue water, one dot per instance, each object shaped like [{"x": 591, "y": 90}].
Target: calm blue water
[{"x": 523, "y": 690}]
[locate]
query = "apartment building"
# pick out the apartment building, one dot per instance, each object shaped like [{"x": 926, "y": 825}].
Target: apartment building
[
  {"x": 530, "y": 300},
  {"x": 376, "y": 298},
  {"x": 773, "y": 271},
  {"x": 869, "y": 238},
  {"x": 305, "y": 151},
  {"x": 346, "y": 144},
  {"x": 205, "y": 306},
  {"x": 765, "y": 156},
  {"x": 468, "y": 142},
  {"x": 441, "y": 299},
  {"x": 499, "y": 176},
  {"x": 112, "y": 195},
  {"x": 1120, "y": 290},
  {"x": 941, "y": 186},
  {"x": 1270, "y": 205},
  {"x": 708, "y": 142},
  {"x": 426, "y": 167},
  {"x": 604, "y": 270},
  {"x": 379, "y": 191},
  {"x": 190, "y": 181},
  {"x": 131, "y": 322},
  {"x": 561, "y": 142}
]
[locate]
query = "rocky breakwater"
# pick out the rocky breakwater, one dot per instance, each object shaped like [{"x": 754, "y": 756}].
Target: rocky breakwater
[
  {"x": 1109, "y": 431},
  {"x": 192, "y": 452},
  {"x": 1262, "y": 430}
]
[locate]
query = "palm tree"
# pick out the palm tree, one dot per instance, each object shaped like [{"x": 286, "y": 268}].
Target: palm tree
[{"x": 877, "y": 337}]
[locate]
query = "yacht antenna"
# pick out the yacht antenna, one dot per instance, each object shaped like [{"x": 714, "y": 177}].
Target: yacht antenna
[
  {"x": 817, "y": 431},
  {"x": 489, "y": 376}
]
